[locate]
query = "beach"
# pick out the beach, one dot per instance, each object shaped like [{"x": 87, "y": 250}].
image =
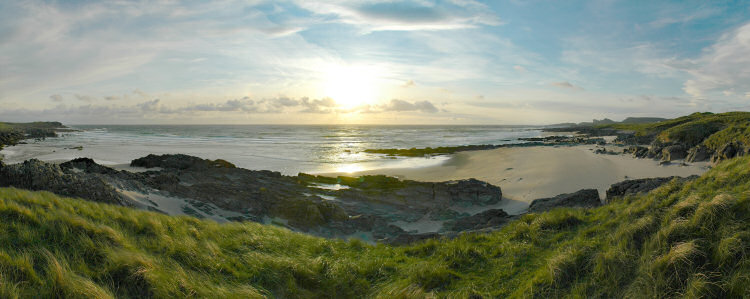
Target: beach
[{"x": 528, "y": 173}]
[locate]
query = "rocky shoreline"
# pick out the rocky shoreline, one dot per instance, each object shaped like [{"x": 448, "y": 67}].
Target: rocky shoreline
[
  {"x": 527, "y": 142},
  {"x": 373, "y": 208},
  {"x": 14, "y": 133},
  {"x": 624, "y": 142}
]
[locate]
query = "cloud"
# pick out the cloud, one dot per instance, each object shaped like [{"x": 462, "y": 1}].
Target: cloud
[
  {"x": 325, "y": 105},
  {"x": 56, "y": 98},
  {"x": 566, "y": 85},
  {"x": 230, "y": 109},
  {"x": 408, "y": 84},
  {"x": 405, "y": 15},
  {"x": 723, "y": 66},
  {"x": 397, "y": 105},
  {"x": 702, "y": 13},
  {"x": 84, "y": 98},
  {"x": 520, "y": 69},
  {"x": 47, "y": 47}
]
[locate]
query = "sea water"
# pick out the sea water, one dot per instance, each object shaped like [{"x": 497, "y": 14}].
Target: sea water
[{"x": 289, "y": 149}]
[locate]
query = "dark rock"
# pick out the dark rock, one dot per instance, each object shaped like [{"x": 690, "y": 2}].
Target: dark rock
[
  {"x": 636, "y": 186},
  {"x": 488, "y": 218},
  {"x": 179, "y": 161},
  {"x": 673, "y": 152},
  {"x": 655, "y": 150},
  {"x": 728, "y": 151},
  {"x": 585, "y": 198},
  {"x": 633, "y": 139},
  {"x": 473, "y": 192},
  {"x": 637, "y": 151},
  {"x": 204, "y": 188},
  {"x": 698, "y": 153},
  {"x": 86, "y": 165},
  {"x": 37, "y": 175}
]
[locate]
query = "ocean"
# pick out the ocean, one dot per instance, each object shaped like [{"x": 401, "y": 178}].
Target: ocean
[{"x": 289, "y": 149}]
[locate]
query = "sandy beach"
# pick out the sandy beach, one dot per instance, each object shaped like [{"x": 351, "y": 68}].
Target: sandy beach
[{"x": 528, "y": 173}]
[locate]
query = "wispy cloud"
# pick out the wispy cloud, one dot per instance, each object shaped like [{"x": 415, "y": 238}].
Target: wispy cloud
[
  {"x": 405, "y": 15},
  {"x": 725, "y": 66},
  {"x": 566, "y": 85},
  {"x": 242, "y": 106}
]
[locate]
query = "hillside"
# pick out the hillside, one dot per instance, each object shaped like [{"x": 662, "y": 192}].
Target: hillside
[
  {"x": 697, "y": 137},
  {"x": 683, "y": 239}
]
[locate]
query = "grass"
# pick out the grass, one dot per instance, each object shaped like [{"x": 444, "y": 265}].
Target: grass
[
  {"x": 681, "y": 240},
  {"x": 6, "y": 126},
  {"x": 711, "y": 130}
]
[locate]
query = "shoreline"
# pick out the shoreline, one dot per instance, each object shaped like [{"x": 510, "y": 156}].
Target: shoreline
[
  {"x": 529, "y": 173},
  {"x": 525, "y": 172}
]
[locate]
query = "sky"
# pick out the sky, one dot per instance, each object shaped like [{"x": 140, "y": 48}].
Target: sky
[{"x": 369, "y": 61}]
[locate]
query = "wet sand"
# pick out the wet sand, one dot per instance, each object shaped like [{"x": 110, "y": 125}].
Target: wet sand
[{"x": 528, "y": 173}]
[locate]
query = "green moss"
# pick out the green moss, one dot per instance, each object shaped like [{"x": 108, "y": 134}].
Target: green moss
[{"x": 682, "y": 239}]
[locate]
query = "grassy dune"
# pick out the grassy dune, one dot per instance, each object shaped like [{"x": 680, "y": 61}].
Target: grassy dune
[
  {"x": 688, "y": 239},
  {"x": 713, "y": 130}
]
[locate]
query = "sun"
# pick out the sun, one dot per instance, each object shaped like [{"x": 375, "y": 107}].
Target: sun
[{"x": 351, "y": 86}]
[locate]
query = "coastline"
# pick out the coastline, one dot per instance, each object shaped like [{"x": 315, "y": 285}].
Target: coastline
[
  {"x": 525, "y": 172},
  {"x": 529, "y": 173}
]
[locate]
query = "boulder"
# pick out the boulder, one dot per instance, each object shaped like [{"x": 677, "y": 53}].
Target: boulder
[
  {"x": 673, "y": 152},
  {"x": 488, "y": 218},
  {"x": 584, "y": 198},
  {"x": 698, "y": 153}
]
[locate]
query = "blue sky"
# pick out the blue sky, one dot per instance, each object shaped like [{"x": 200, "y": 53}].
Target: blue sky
[{"x": 420, "y": 62}]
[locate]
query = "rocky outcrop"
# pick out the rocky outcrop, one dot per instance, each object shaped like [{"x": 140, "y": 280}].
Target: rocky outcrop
[
  {"x": 13, "y": 133},
  {"x": 698, "y": 153},
  {"x": 36, "y": 175},
  {"x": 179, "y": 161},
  {"x": 728, "y": 151},
  {"x": 181, "y": 184},
  {"x": 673, "y": 152},
  {"x": 584, "y": 198},
  {"x": 85, "y": 165},
  {"x": 637, "y": 186},
  {"x": 566, "y": 140},
  {"x": 632, "y": 139},
  {"x": 637, "y": 151},
  {"x": 10, "y": 138}
]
